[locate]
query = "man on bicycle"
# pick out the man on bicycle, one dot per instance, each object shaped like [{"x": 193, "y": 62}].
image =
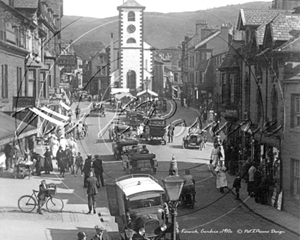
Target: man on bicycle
[{"x": 42, "y": 195}]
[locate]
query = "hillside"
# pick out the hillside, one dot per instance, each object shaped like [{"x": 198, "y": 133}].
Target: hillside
[{"x": 161, "y": 30}]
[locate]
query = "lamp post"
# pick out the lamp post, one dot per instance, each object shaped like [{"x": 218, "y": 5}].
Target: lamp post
[{"x": 173, "y": 186}]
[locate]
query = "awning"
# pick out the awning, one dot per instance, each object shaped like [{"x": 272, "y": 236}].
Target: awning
[
  {"x": 13, "y": 129},
  {"x": 147, "y": 91},
  {"x": 46, "y": 117},
  {"x": 63, "y": 117},
  {"x": 65, "y": 106},
  {"x": 174, "y": 88}
]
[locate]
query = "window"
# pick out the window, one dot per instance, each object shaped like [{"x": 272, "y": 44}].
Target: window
[
  {"x": 101, "y": 57},
  {"x": 131, "y": 40},
  {"x": 43, "y": 85},
  {"x": 232, "y": 88},
  {"x": 103, "y": 71},
  {"x": 11, "y": 3},
  {"x": 20, "y": 84},
  {"x": 131, "y": 16},
  {"x": 295, "y": 111},
  {"x": 98, "y": 70},
  {"x": 259, "y": 105},
  {"x": 274, "y": 102},
  {"x": 4, "y": 81},
  {"x": 295, "y": 170},
  {"x": 2, "y": 29},
  {"x": 31, "y": 83}
]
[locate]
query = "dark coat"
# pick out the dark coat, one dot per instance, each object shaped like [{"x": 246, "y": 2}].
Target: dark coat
[
  {"x": 92, "y": 186},
  {"x": 87, "y": 165},
  {"x": 97, "y": 165},
  {"x": 48, "y": 161}
]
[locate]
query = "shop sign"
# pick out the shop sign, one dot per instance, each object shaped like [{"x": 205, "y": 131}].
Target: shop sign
[
  {"x": 230, "y": 113},
  {"x": 21, "y": 102}
]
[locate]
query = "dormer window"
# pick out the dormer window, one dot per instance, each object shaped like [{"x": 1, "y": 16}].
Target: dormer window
[
  {"x": 131, "y": 16},
  {"x": 11, "y": 3}
]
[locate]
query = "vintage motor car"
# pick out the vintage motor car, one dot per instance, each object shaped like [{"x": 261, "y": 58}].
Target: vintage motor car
[
  {"x": 98, "y": 108},
  {"x": 140, "y": 162},
  {"x": 136, "y": 201},
  {"x": 195, "y": 138},
  {"x": 155, "y": 129}
]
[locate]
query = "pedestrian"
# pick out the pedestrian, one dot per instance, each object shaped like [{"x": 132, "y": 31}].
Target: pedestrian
[
  {"x": 54, "y": 145},
  {"x": 92, "y": 192},
  {"x": 141, "y": 234},
  {"x": 170, "y": 132},
  {"x": 63, "y": 142},
  {"x": 257, "y": 181},
  {"x": 98, "y": 169},
  {"x": 245, "y": 168},
  {"x": 42, "y": 195},
  {"x": 48, "y": 167},
  {"x": 237, "y": 185},
  {"x": 77, "y": 112},
  {"x": 78, "y": 164},
  {"x": 61, "y": 155},
  {"x": 215, "y": 154},
  {"x": 250, "y": 185},
  {"x": 70, "y": 161},
  {"x": 8, "y": 151},
  {"x": 81, "y": 236},
  {"x": 221, "y": 181},
  {"x": 86, "y": 169},
  {"x": 101, "y": 233}
]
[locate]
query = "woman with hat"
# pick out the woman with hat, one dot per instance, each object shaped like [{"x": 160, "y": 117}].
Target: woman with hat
[
  {"x": 81, "y": 236},
  {"x": 48, "y": 167}
]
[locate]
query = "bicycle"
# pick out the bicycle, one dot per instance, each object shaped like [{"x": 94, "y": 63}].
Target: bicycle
[{"x": 28, "y": 203}]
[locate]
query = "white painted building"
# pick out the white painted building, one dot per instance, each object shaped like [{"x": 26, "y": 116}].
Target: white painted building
[{"x": 131, "y": 57}]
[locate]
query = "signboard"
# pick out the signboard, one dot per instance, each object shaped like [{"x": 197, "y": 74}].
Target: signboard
[
  {"x": 67, "y": 60},
  {"x": 230, "y": 113},
  {"x": 21, "y": 102}
]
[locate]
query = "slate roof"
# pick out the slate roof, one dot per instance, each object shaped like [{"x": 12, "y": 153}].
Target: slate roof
[
  {"x": 285, "y": 26},
  {"x": 131, "y": 3},
  {"x": 26, "y": 3},
  {"x": 292, "y": 45},
  {"x": 250, "y": 17}
]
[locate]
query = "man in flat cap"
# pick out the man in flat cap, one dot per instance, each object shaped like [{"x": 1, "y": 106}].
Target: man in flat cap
[{"x": 101, "y": 233}]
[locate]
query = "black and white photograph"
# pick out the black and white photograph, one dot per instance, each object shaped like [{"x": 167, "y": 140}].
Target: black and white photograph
[{"x": 150, "y": 120}]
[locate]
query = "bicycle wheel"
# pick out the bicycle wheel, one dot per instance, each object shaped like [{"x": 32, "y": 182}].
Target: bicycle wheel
[
  {"x": 54, "y": 204},
  {"x": 27, "y": 203}
]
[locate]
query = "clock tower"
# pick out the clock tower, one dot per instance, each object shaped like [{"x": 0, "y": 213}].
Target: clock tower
[{"x": 131, "y": 46}]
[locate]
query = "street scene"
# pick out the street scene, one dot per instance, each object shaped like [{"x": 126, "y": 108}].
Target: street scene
[{"x": 126, "y": 137}]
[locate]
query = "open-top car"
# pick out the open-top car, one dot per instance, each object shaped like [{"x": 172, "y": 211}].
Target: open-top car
[{"x": 195, "y": 138}]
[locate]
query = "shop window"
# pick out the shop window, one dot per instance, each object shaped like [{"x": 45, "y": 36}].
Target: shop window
[
  {"x": 295, "y": 111},
  {"x": 131, "y": 16},
  {"x": 4, "y": 81},
  {"x": 295, "y": 177}
]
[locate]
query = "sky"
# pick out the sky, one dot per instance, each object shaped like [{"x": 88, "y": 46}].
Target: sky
[{"x": 108, "y": 8}]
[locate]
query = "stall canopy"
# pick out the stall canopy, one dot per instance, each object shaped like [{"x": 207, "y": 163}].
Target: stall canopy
[
  {"x": 46, "y": 117},
  {"x": 58, "y": 115},
  {"x": 122, "y": 95},
  {"x": 147, "y": 91},
  {"x": 13, "y": 129},
  {"x": 65, "y": 106}
]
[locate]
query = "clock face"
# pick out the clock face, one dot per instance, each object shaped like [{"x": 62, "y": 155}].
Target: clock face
[{"x": 131, "y": 28}]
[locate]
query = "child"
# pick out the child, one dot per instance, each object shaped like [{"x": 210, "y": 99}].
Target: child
[
  {"x": 237, "y": 186},
  {"x": 211, "y": 167}
]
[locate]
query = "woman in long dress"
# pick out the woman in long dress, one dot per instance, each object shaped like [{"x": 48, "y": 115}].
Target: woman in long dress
[
  {"x": 54, "y": 146},
  {"x": 221, "y": 181},
  {"x": 215, "y": 154},
  {"x": 48, "y": 167}
]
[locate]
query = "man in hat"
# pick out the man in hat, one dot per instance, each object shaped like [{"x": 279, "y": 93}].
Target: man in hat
[
  {"x": 144, "y": 150},
  {"x": 81, "y": 236},
  {"x": 42, "y": 195},
  {"x": 92, "y": 192},
  {"x": 101, "y": 233},
  {"x": 98, "y": 168},
  {"x": 86, "y": 169}
]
